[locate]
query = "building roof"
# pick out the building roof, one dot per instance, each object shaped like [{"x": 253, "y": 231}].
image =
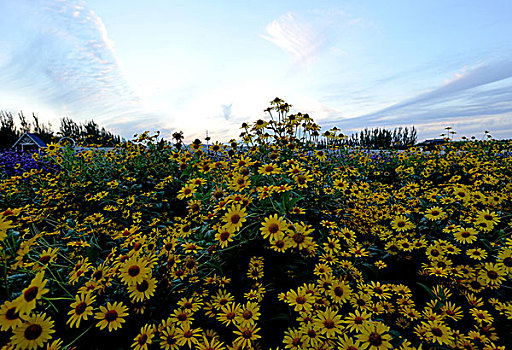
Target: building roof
[{"x": 33, "y": 137}]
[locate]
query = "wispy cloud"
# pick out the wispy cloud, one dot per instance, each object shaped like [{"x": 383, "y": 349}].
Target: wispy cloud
[
  {"x": 68, "y": 61},
  {"x": 467, "y": 80},
  {"x": 296, "y": 36}
]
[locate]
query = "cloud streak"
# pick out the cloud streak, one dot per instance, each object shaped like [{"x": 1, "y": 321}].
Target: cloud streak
[
  {"x": 296, "y": 36},
  {"x": 476, "y": 77},
  {"x": 68, "y": 61}
]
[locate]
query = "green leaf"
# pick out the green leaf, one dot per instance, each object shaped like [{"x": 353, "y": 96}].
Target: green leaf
[{"x": 429, "y": 291}]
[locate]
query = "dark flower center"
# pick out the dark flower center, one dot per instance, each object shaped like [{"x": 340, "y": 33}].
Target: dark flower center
[
  {"x": 235, "y": 219},
  {"x": 111, "y": 315},
  {"x": 11, "y": 314},
  {"x": 247, "y": 315},
  {"x": 142, "y": 339},
  {"x": 492, "y": 275},
  {"x": 247, "y": 334},
  {"x": 31, "y": 293},
  {"x": 329, "y": 324},
  {"x": 224, "y": 236},
  {"x": 375, "y": 339},
  {"x": 134, "y": 270},
  {"x": 44, "y": 259},
  {"x": 80, "y": 308},
  {"x": 142, "y": 286},
  {"x": 338, "y": 291},
  {"x": 437, "y": 332},
  {"x": 33, "y": 331},
  {"x": 273, "y": 228},
  {"x": 507, "y": 261},
  {"x": 300, "y": 300}
]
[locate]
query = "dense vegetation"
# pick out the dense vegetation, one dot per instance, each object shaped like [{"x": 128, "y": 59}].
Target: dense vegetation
[
  {"x": 268, "y": 243},
  {"x": 88, "y": 132}
]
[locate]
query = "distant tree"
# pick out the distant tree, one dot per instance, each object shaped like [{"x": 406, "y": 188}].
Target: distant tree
[
  {"x": 44, "y": 132},
  {"x": 399, "y": 138},
  {"x": 8, "y": 131}
]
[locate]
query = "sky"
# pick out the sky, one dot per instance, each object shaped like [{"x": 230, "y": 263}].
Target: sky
[{"x": 200, "y": 65}]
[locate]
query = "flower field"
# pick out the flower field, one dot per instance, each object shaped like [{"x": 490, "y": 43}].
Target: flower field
[{"x": 266, "y": 243}]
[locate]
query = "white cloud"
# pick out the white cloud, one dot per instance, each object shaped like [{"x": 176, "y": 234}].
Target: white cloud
[
  {"x": 68, "y": 61},
  {"x": 294, "y": 35}
]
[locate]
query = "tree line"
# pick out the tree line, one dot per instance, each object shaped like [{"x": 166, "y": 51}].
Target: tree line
[
  {"x": 380, "y": 138},
  {"x": 88, "y": 132}
]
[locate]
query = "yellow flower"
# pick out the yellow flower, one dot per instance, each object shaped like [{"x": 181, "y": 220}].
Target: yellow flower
[
  {"x": 134, "y": 270},
  {"x": 26, "y": 302},
  {"x": 477, "y": 253},
  {"x": 187, "y": 335},
  {"x": 248, "y": 314},
  {"x": 187, "y": 191},
  {"x": 142, "y": 290},
  {"x": 488, "y": 217},
  {"x": 401, "y": 223},
  {"x": 111, "y": 316},
  {"x": 434, "y": 213},
  {"x": 35, "y": 331},
  {"x": 235, "y": 217},
  {"x": 465, "y": 235},
  {"x": 328, "y": 323},
  {"x": 224, "y": 235},
  {"x": 9, "y": 317},
  {"x": 273, "y": 226},
  {"x": 374, "y": 337},
  {"x": 4, "y": 226},
  {"x": 438, "y": 332},
  {"x": 144, "y": 338},
  {"x": 246, "y": 335},
  {"x": 300, "y": 300},
  {"x": 80, "y": 309},
  {"x": 169, "y": 339}
]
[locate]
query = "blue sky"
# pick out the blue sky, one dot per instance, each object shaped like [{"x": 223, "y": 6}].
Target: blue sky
[{"x": 211, "y": 65}]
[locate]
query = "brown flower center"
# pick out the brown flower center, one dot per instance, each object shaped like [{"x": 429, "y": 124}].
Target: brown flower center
[
  {"x": 80, "y": 308},
  {"x": 329, "y": 324},
  {"x": 142, "y": 286},
  {"x": 273, "y": 228},
  {"x": 33, "y": 332},
  {"x": 134, "y": 270},
  {"x": 235, "y": 219},
  {"x": 224, "y": 236},
  {"x": 111, "y": 315},
  {"x": 11, "y": 314},
  {"x": 44, "y": 259},
  {"x": 375, "y": 339},
  {"x": 31, "y": 293},
  {"x": 492, "y": 274},
  {"x": 437, "y": 332},
  {"x": 247, "y": 315},
  {"x": 142, "y": 339}
]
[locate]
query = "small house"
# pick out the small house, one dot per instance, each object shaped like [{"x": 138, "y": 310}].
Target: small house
[{"x": 29, "y": 142}]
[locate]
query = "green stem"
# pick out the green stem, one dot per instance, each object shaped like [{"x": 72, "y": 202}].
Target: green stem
[{"x": 79, "y": 336}]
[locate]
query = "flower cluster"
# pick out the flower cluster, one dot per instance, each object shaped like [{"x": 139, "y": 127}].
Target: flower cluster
[{"x": 267, "y": 243}]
